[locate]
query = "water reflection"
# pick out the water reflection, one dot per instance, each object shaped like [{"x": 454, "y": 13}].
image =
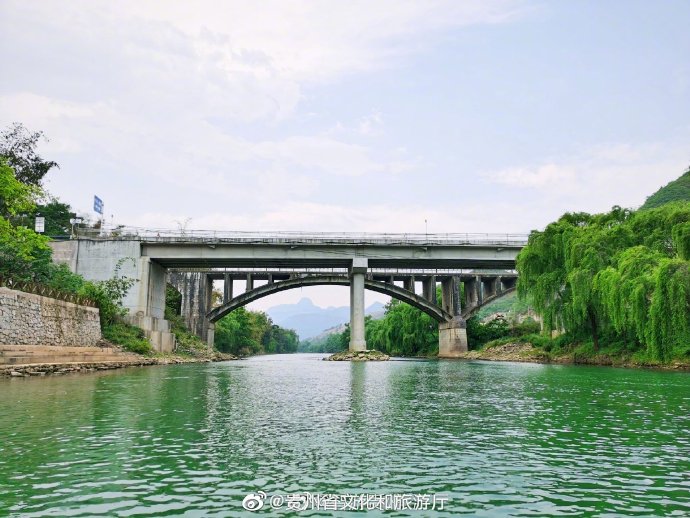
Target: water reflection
[{"x": 496, "y": 438}]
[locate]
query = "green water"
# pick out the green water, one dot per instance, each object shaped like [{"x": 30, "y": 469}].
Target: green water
[{"x": 495, "y": 439}]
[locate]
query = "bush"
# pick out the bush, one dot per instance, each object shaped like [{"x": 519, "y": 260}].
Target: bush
[
  {"x": 131, "y": 338},
  {"x": 60, "y": 277},
  {"x": 529, "y": 326}
]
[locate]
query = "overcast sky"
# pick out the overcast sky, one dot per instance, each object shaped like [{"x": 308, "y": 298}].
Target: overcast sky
[{"x": 475, "y": 115}]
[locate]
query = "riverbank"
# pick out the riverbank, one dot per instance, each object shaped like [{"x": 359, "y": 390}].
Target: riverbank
[
  {"x": 117, "y": 359},
  {"x": 526, "y": 352}
]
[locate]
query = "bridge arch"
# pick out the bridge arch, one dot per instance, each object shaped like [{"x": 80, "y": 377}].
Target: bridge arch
[
  {"x": 469, "y": 312},
  {"x": 431, "y": 309}
]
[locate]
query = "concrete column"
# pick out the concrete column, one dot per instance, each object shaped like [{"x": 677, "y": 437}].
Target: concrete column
[
  {"x": 471, "y": 292},
  {"x": 450, "y": 295},
  {"x": 429, "y": 288},
  {"x": 195, "y": 288},
  {"x": 480, "y": 291},
  {"x": 151, "y": 301},
  {"x": 408, "y": 283},
  {"x": 211, "y": 334},
  {"x": 250, "y": 282},
  {"x": 357, "y": 273},
  {"x": 270, "y": 278},
  {"x": 488, "y": 287},
  {"x": 151, "y": 306},
  {"x": 209, "y": 291},
  {"x": 227, "y": 289},
  {"x": 143, "y": 302},
  {"x": 452, "y": 338}
]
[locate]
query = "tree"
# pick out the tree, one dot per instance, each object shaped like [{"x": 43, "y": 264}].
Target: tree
[
  {"x": 15, "y": 197},
  {"x": 18, "y": 148},
  {"x": 57, "y": 217},
  {"x": 624, "y": 274}
]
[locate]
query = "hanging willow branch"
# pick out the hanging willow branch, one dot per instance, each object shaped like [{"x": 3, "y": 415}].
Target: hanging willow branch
[{"x": 625, "y": 272}]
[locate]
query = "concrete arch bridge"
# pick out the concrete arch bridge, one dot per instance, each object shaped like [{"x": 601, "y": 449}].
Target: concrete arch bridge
[
  {"x": 462, "y": 294},
  {"x": 483, "y": 263}
]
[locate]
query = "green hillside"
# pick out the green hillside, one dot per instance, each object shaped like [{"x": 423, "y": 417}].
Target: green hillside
[{"x": 677, "y": 190}]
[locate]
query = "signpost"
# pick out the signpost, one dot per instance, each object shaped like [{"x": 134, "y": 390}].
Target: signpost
[
  {"x": 98, "y": 205},
  {"x": 40, "y": 225}
]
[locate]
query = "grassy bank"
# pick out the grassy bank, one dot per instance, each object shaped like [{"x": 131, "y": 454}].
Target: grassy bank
[
  {"x": 542, "y": 349},
  {"x": 189, "y": 347}
]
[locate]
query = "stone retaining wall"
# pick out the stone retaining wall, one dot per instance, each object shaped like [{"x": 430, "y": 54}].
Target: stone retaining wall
[{"x": 28, "y": 319}]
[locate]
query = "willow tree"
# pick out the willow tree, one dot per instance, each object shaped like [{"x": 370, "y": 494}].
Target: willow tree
[
  {"x": 542, "y": 269},
  {"x": 622, "y": 271},
  {"x": 669, "y": 322}
]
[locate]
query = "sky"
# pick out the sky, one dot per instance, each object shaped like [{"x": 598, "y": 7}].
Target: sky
[{"x": 366, "y": 116}]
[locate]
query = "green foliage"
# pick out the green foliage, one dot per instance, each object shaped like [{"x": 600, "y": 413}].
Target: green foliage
[
  {"x": 18, "y": 149},
  {"x": 244, "y": 333},
  {"x": 681, "y": 240},
  {"x": 173, "y": 302},
  {"x": 529, "y": 326},
  {"x": 61, "y": 278},
  {"x": 677, "y": 190},
  {"x": 57, "y": 217},
  {"x": 669, "y": 322},
  {"x": 128, "y": 337},
  {"x": 509, "y": 305},
  {"x": 407, "y": 331},
  {"x": 332, "y": 343},
  {"x": 24, "y": 255},
  {"x": 478, "y": 334},
  {"x": 404, "y": 331},
  {"x": 15, "y": 197},
  {"x": 622, "y": 275}
]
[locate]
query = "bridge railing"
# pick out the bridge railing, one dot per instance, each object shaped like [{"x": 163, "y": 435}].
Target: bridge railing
[
  {"x": 401, "y": 272},
  {"x": 302, "y": 238}
]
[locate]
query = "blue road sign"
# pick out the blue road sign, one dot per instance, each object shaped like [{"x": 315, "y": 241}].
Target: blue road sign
[{"x": 97, "y": 204}]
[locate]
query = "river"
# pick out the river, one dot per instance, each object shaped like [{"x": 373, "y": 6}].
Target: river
[{"x": 475, "y": 438}]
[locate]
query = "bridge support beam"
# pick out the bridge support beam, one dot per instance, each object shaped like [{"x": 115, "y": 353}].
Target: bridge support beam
[
  {"x": 357, "y": 273},
  {"x": 450, "y": 295},
  {"x": 429, "y": 288},
  {"x": 489, "y": 287},
  {"x": 151, "y": 306},
  {"x": 211, "y": 335},
  {"x": 196, "y": 289},
  {"x": 452, "y": 338},
  {"x": 227, "y": 288},
  {"x": 408, "y": 283}
]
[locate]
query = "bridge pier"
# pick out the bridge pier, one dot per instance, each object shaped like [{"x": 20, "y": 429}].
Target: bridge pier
[
  {"x": 452, "y": 338},
  {"x": 150, "y": 310},
  {"x": 357, "y": 272},
  {"x": 196, "y": 289},
  {"x": 452, "y": 335}
]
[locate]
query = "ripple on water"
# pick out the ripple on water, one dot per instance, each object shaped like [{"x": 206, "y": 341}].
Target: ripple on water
[{"x": 497, "y": 439}]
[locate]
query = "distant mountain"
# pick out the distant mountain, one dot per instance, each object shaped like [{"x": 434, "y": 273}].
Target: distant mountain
[
  {"x": 677, "y": 190},
  {"x": 309, "y": 319}
]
